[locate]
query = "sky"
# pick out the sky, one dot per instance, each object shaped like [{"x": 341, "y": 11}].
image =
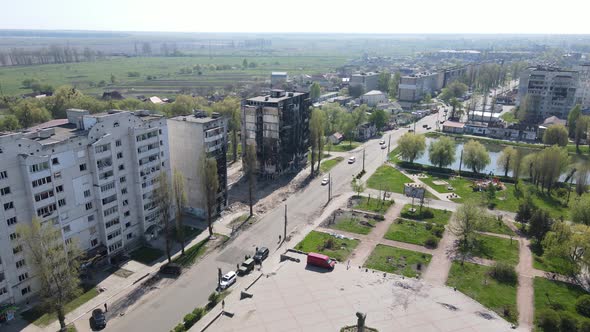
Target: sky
[{"x": 331, "y": 16}]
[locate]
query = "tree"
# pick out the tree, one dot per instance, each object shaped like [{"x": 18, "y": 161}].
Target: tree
[
  {"x": 491, "y": 194},
  {"x": 249, "y": 166},
  {"x": 383, "y": 82},
  {"x": 475, "y": 156},
  {"x": 442, "y": 152},
  {"x": 314, "y": 91},
  {"x": 570, "y": 244},
  {"x": 427, "y": 99},
  {"x": 454, "y": 90},
  {"x": 456, "y": 106},
  {"x": 356, "y": 90},
  {"x": 411, "y": 146},
  {"x": 539, "y": 224},
  {"x": 547, "y": 165},
  {"x": 555, "y": 135},
  {"x": 316, "y": 134},
  {"x": 516, "y": 166},
  {"x": 164, "y": 200},
  {"x": 507, "y": 157},
  {"x": 358, "y": 186},
  {"x": 245, "y": 64},
  {"x": 379, "y": 118},
  {"x": 580, "y": 132},
  {"x": 29, "y": 113},
  {"x": 581, "y": 210},
  {"x": 394, "y": 85},
  {"x": 56, "y": 265},
  {"x": 464, "y": 226},
  {"x": 582, "y": 174},
  {"x": 180, "y": 201},
  {"x": 572, "y": 118},
  {"x": 211, "y": 188},
  {"x": 347, "y": 126},
  {"x": 9, "y": 123},
  {"x": 230, "y": 109},
  {"x": 525, "y": 209}
]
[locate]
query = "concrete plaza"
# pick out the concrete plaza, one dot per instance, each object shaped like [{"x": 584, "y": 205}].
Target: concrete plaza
[{"x": 300, "y": 298}]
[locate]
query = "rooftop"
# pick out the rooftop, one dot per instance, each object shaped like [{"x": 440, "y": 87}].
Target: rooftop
[
  {"x": 194, "y": 119},
  {"x": 373, "y": 93},
  {"x": 453, "y": 124},
  {"x": 269, "y": 99}
]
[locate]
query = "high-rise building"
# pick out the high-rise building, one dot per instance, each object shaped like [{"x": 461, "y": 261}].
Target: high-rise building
[
  {"x": 90, "y": 175},
  {"x": 368, "y": 81},
  {"x": 192, "y": 138},
  {"x": 278, "y": 125},
  {"x": 551, "y": 91},
  {"x": 413, "y": 88},
  {"x": 583, "y": 90}
]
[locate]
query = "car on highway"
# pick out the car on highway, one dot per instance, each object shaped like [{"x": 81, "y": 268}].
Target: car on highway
[
  {"x": 383, "y": 147},
  {"x": 261, "y": 254},
  {"x": 351, "y": 160},
  {"x": 382, "y": 142},
  {"x": 325, "y": 181},
  {"x": 98, "y": 319},
  {"x": 227, "y": 280}
]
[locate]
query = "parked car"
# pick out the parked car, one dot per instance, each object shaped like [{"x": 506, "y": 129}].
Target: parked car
[
  {"x": 262, "y": 253},
  {"x": 411, "y": 131},
  {"x": 382, "y": 142},
  {"x": 227, "y": 280},
  {"x": 428, "y": 128},
  {"x": 351, "y": 160},
  {"x": 325, "y": 181},
  {"x": 424, "y": 126},
  {"x": 246, "y": 267},
  {"x": 320, "y": 260},
  {"x": 383, "y": 147},
  {"x": 171, "y": 269},
  {"x": 98, "y": 319}
]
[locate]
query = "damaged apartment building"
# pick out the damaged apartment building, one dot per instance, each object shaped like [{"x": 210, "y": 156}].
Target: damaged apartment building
[{"x": 278, "y": 125}]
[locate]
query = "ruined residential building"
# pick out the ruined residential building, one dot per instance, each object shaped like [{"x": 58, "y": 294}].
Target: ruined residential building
[{"x": 278, "y": 125}]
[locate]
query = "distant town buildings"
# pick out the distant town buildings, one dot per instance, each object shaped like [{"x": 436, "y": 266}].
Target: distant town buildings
[
  {"x": 278, "y": 126},
  {"x": 193, "y": 138},
  {"x": 90, "y": 175},
  {"x": 368, "y": 81},
  {"x": 413, "y": 88}
]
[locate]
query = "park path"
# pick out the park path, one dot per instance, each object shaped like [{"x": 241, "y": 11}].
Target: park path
[
  {"x": 437, "y": 272},
  {"x": 415, "y": 178}
]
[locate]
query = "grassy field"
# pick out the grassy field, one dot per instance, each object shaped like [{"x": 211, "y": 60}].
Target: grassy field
[
  {"x": 315, "y": 242},
  {"x": 344, "y": 146},
  {"x": 498, "y": 249},
  {"x": 509, "y": 117},
  {"x": 409, "y": 231},
  {"x": 548, "y": 264},
  {"x": 440, "y": 217},
  {"x": 327, "y": 165},
  {"x": 166, "y": 70},
  {"x": 495, "y": 226},
  {"x": 388, "y": 178},
  {"x": 473, "y": 280},
  {"x": 353, "y": 225},
  {"x": 41, "y": 318},
  {"x": 556, "y": 295},
  {"x": 146, "y": 254},
  {"x": 399, "y": 261},
  {"x": 374, "y": 205}
]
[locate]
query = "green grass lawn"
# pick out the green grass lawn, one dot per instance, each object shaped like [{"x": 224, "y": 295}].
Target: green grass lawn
[
  {"x": 352, "y": 225},
  {"x": 440, "y": 217},
  {"x": 551, "y": 294},
  {"x": 474, "y": 281},
  {"x": 315, "y": 242},
  {"x": 146, "y": 254},
  {"x": 492, "y": 225},
  {"x": 192, "y": 254},
  {"x": 498, "y": 249},
  {"x": 509, "y": 117},
  {"x": 327, "y": 165},
  {"x": 409, "y": 231},
  {"x": 388, "y": 178},
  {"x": 41, "y": 318},
  {"x": 374, "y": 205},
  {"x": 399, "y": 261},
  {"x": 549, "y": 264},
  {"x": 344, "y": 146}
]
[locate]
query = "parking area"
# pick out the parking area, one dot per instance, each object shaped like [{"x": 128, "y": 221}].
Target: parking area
[{"x": 300, "y": 298}]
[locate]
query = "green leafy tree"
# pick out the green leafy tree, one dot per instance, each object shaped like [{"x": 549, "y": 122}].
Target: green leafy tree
[
  {"x": 581, "y": 130},
  {"x": 475, "y": 156},
  {"x": 29, "y": 113},
  {"x": 411, "y": 146},
  {"x": 427, "y": 99},
  {"x": 163, "y": 198},
  {"x": 383, "y": 81},
  {"x": 245, "y": 64},
  {"x": 229, "y": 107},
  {"x": 572, "y": 117},
  {"x": 56, "y": 265},
  {"x": 315, "y": 91},
  {"x": 555, "y": 135},
  {"x": 546, "y": 166},
  {"x": 506, "y": 159},
  {"x": 581, "y": 210},
  {"x": 539, "y": 224},
  {"x": 211, "y": 184},
  {"x": 9, "y": 123},
  {"x": 179, "y": 203},
  {"x": 316, "y": 133},
  {"x": 249, "y": 166},
  {"x": 394, "y": 85},
  {"x": 358, "y": 186},
  {"x": 464, "y": 226},
  {"x": 379, "y": 118},
  {"x": 455, "y": 90},
  {"x": 347, "y": 127},
  {"x": 442, "y": 152},
  {"x": 356, "y": 91},
  {"x": 525, "y": 209},
  {"x": 570, "y": 244},
  {"x": 456, "y": 108},
  {"x": 582, "y": 174}
]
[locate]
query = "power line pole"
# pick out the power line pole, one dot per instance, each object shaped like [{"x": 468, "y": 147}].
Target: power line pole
[
  {"x": 389, "y": 144},
  {"x": 363, "y": 160},
  {"x": 329, "y": 186},
  {"x": 285, "y": 229}
]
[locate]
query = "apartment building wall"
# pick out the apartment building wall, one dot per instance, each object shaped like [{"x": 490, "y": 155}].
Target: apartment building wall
[
  {"x": 583, "y": 90},
  {"x": 368, "y": 81},
  {"x": 82, "y": 176}
]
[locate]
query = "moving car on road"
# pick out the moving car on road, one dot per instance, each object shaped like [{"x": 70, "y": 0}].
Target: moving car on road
[
  {"x": 383, "y": 147},
  {"x": 382, "y": 142},
  {"x": 98, "y": 319},
  {"x": 325, "y": 181},
  {"x": 227, "y": 280},
  {"x": 351, "y": 160},
  {"x": 320, "y": 260},
  {"x": 262, "y": 253}
]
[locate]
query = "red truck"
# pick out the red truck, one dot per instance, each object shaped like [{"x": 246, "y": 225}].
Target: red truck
[{"x": 320, "y": 260}]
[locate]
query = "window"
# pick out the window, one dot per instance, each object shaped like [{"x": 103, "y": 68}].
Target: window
[
  {"x": 91, "y": 218},
  {"x": 25, "y": 290},
  {"x": 61, "y": 202},
  {"x": 86, "y": 193},
  {"x": 67, "y": 228},
  {"x": 20, "y": 263},
  {"x": 41, "y": 181},
  {"x": 55, "y": 161},
  {"x": 106, "y": 187},
  {"x": 68, "y": 241},
  {"x": 127, "y": 225},
  {"x": 111, "y": 223},
  {"x": 118, "y": 142},
  {"x": 11, "y": 221},
  {"x": 5, "y": 191},
  {"x": 123, "y": 191},
  {"x": 2, "y": 290},
  {"x": 126, "y": 214},
  {"x": 17, "y": 249},
  {"x": 129, "y": 236},
  {"x": 115, "y": 246},
  {"x": 3, "y": 175},
  {"x": 114, "y": 234},
  {"x": 122, "y": 179},
  {"x": 59, "y": 188},
  {"x": 116, "y": 124},
  {"x": 110, "y": 210},
  {"x": 121, "y": 167},
  {"x": 43, "y": 195},
  {"x": 14, "y": 236},
  {"x": 105, "y": 175},
  {"x": 82, "y": 167},
  {"x": 39, "y": 167},
  {"x": 125, "y": 202},
  {"x": 94, "y": 242},
  {"x": 88, "y": 206},
  {"x": 119, "y": 155},
  {"x": 109, "y": 199},
  {"x": 23, "y": 277},
  {"x": 57, "y": 175},
  {"x": 46, "y": 210},
  {"x": 8, "y": 206}
]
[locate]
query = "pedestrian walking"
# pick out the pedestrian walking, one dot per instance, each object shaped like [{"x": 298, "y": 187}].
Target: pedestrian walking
[
  {"x": 222, "y": 305},
  {"x": 106, "y": 309},
  {"x": 279, "y": 239}
]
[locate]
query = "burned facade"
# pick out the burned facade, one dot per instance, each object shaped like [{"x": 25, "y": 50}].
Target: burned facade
[{"x": 278, "y": 125}]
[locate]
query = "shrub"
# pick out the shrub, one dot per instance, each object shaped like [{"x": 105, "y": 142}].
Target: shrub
[
  {"x": 189, "y": 320},
  {"x": 568, "y": 322},
  {"x": 179, "y": 328},
  {"x": 438, "y": 231},
  {"x": 504, "y": 273},
  {"x": 329, "y": 244},
  {"x": 583, "y": 305},
  {"x": 428, "y": 226},
  {"x": 427, "y": 214},
  {"x": 213, "y": 298},
  {"x": 584, "y": 326},
  {"x": 199, "y": 312},
  {"x": 548, "y": 320},
  {"x": 431, "y": 242},
  {"x": 561, "y": 192}
]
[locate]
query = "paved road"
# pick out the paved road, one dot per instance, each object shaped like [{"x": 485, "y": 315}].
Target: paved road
[{"x": 163, "y": 309}]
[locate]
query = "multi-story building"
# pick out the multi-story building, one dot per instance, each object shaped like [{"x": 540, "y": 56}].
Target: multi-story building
[
  {"x": 551, "y": 91},
  {"x": 583, "y": 90},
  {"x": 278, "y": 125},
  {"x": 193, "y": 138},
  {"x": 278, "y": 78},
  {"x": 413, "y": 88},
  {"x": 91, "y": 176},
  {"x": 368, "y": 81}
]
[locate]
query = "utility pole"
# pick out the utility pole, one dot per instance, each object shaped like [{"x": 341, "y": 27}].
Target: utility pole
[
  {"x": 285, "y": 229},
  {"x": 460, "y": 162},
  {"x": 363, "y": 160},
  {"x": 389, "y": 144}
]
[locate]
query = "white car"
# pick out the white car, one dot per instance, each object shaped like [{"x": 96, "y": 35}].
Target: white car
[
  {"x": 325, "y": 181},
  {"x": 227, "y": 280},
  {"x": 383, "y": 147},
  {"x": 351, "y": 160},
  {"x": 382, "y": 142}
]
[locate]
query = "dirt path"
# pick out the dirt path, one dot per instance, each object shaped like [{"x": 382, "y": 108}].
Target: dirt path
[
  {"x": 437, "y": 272},
  {"x": 525, "y": 290}
]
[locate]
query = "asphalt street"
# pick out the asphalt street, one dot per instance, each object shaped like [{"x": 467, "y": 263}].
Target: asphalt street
[{"x": 164, "y": 308}]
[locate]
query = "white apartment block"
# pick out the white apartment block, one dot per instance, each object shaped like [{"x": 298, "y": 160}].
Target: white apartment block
[
  {"x": 192, "y": 138},
  {"x": 90, "y": 175},
  {"x": 583, "y": 91}
]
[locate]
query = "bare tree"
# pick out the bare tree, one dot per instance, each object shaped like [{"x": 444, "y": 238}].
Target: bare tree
[
  {"x": 211, "y": 189},
  {"x": 180, "y": 202},
  {"x": 56, "y": 265},
  {"x": 464, "y": 225},
  {"x": 163, "y": 199},
  {"x": 249, "y": 166}
]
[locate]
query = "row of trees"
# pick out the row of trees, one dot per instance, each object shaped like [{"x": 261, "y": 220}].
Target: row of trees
[{"x": 48, "y": 55}]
